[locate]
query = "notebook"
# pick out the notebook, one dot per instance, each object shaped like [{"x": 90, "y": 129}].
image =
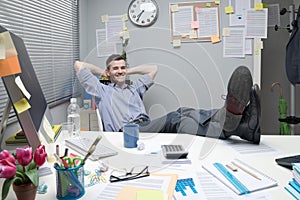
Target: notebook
[{"x": 242, "y": 180}]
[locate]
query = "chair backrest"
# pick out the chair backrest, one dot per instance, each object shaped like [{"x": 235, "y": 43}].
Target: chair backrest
[{"x": 100, "y": 124}]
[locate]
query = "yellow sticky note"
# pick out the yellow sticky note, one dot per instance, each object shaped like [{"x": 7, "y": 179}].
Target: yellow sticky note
[
  {"x": 176, "y": 43},
  {"x": 256, "y": 52},
  {"x": 193, "y": 34},
  {"x": 174, "y": 8},
  {"x": 195, "y": 24},
  {"x": 22, "y": 105},
  {"x": 208, "y": 4},
  {"x": 183, "y": 35},
  {"x": 226, "y": 32},
  {"x": 258, "y": 6},
  {"x": 149, "y": 195},
  {"x": 124, "y": 17},
  {"x": 217, "y": 2},
  {"x": 2, "y": 48},
  {"x": 125, "y": 28},
  {"x": 229, "y": 10},
  {"x": 104, "y": 18},
  {"x": 215, "y": 38}
]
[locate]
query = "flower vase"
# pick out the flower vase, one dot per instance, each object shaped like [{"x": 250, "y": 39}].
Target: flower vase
[{"x": 25, "y": 191}]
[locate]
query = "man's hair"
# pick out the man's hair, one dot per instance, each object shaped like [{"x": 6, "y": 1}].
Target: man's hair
[{"x": 113, "y": 57}]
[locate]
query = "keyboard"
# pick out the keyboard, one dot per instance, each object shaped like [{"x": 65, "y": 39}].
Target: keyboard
[{"x": 82, "y": 145}]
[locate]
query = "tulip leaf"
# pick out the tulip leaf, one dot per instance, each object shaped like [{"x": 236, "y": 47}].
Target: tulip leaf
[
  {"x": 33, "y": 176},
  {"x": 6, "y": 185}
]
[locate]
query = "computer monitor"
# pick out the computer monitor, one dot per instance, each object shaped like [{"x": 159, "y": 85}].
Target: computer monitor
[{"x": 30, "y": 120}]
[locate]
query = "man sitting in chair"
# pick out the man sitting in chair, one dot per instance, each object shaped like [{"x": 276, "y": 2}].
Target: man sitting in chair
[{"x": 120, "y": 103}]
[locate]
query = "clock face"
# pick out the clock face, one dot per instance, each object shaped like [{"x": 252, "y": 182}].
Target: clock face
[{"x": 143, "y": 12}]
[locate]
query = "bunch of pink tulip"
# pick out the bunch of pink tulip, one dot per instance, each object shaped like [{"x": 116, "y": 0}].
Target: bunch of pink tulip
[{"x": 22, "y": 171}]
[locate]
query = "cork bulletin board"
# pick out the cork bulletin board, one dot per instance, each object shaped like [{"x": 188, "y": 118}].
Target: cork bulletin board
[{"x": 195, "y": 21}]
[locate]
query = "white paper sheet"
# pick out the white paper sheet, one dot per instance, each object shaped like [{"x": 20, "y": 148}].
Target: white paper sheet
[
  {"x": 114, "y": 26},
  {"x": 208, "y": 22},
  {"x": 238, "y": 17},
  {"x": 182, "y": 20},
  {"x": 273, "y": 15},
  {"x": 234, "y": 44},
  {"x": 104, "y": 48},
  {"x": 256, "y": 23}
]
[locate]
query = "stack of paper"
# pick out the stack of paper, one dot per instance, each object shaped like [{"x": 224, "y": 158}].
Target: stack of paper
[{"x": 294, "y": 186}]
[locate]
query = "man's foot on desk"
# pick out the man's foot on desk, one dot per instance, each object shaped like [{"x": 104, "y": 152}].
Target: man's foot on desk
[
  {"x": 238, "y": 95},
  {"x": 249, "y": 127}
]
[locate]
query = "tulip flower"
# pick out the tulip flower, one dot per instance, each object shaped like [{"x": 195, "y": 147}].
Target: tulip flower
[
  {"x": 7, "y": 156},
  {"x": 7, "y": 169},
  {"x": 40, "y": 155},
  {"x": 24, "y": 171},
  {"x": 24, "y": 155}
]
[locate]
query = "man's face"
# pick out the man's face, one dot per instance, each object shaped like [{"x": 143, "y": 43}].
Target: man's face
[{"x": 117, "y": 71}]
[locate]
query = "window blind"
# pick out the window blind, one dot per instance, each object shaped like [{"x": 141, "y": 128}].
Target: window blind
[{"x": 50, "y": 30}]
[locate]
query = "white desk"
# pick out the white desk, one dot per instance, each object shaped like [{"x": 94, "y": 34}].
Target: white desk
[{"x": 214, "y": 150}]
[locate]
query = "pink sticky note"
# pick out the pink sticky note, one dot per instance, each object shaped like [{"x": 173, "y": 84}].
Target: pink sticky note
[{"x": 195, "y": 24}]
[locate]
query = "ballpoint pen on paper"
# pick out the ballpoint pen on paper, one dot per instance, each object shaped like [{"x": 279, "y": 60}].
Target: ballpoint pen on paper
[
  {"x": 246, "y": 170},
  {"x": 91, "y": 149}
]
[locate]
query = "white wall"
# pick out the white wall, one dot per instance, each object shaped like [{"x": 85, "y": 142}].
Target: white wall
[{"x": 194, "y": 75}]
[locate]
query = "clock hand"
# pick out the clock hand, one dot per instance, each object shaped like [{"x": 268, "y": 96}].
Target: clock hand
[{"x": 139, "y": 15}]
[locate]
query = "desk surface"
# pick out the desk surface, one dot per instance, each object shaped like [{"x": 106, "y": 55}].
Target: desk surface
[{"x": 201, "y": 150}]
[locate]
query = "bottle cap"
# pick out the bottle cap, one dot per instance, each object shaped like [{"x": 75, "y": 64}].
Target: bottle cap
[{"x": 73, "y": 100}]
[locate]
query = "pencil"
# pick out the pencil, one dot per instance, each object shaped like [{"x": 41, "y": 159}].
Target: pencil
[{"x": 245, "y": 170}]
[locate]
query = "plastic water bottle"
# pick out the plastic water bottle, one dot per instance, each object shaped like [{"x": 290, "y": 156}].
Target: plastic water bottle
[{"x": 74, "y": 117}]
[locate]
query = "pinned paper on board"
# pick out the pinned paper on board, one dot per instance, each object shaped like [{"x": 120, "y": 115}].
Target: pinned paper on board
[
  {"x": 21, "y": 105},
  {"x": 193, "y": 34},
  {"x": 21, "y": 86},
  {"x": 174, "y": 8},
  {"x": 195, "y": 24},
  {"x": 215, "y": 38},
  {"x": 10, "y": 64}
]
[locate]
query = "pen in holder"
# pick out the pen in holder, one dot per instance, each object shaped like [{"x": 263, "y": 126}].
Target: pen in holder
[{"x": 69, "y": 182}]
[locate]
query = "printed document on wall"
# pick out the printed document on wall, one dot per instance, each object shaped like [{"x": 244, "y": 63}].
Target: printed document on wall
[
  {"x": 104, "y": 48},
  {"x": 239, "y": 7},
  {"x": 256, "y": 23},
  {"x": 114, "y": 26},
  {"x": 182, "y": 20},
  {"x": 274, "y": 15},
  {"x": 208, "y": 22},
  {"x": 234, "y": 43}
]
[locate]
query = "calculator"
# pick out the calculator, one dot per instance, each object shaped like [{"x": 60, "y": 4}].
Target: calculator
[{"x": 174, "y": 151}]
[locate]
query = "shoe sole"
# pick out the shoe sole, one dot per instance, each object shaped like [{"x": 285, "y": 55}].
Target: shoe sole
[
  {"x": 238, "y": 96},
  {"x": 256, "y": 137}
]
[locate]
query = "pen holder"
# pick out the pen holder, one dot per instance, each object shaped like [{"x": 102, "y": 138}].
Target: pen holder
[{"x": 69, "y": 182}]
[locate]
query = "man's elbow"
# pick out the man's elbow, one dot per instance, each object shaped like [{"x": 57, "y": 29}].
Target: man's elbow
[
  {"x": 77, "y": 65},
  {"x": 154, "y": 71}
]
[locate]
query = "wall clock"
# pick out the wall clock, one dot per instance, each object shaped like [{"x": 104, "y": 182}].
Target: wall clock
[{"x": 143, "y": 12}]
